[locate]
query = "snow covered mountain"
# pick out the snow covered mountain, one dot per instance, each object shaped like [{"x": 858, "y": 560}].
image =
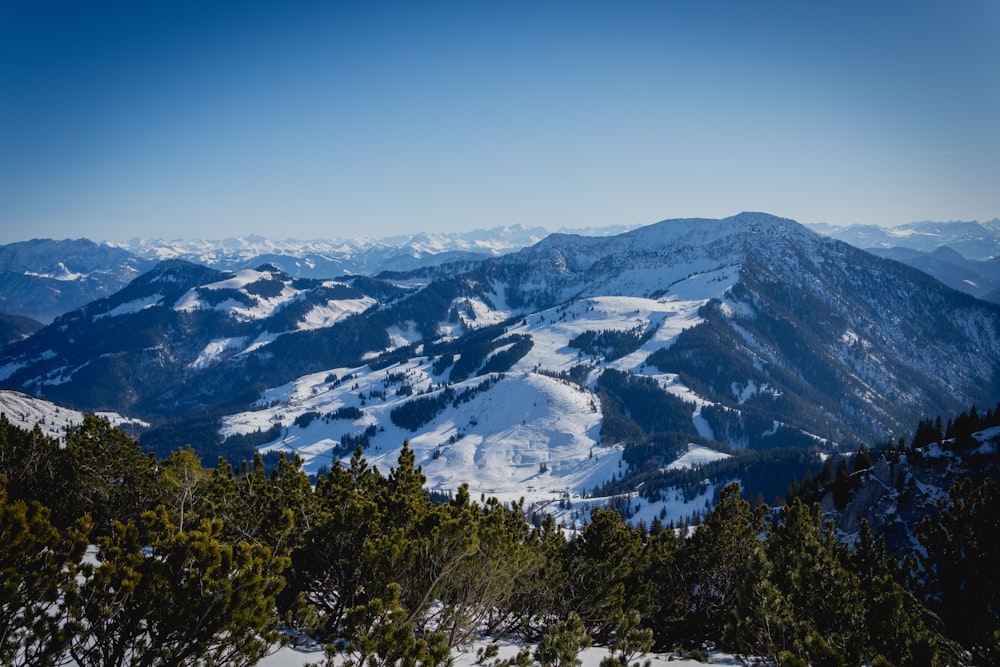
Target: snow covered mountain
[
  {"x": 27, "y": 412},
  {"x": 336, "y": 257},
  {"x": 978, "y": 241},
  {"x": 41, "y": 279},
  {"x": 546, "y": 371}
]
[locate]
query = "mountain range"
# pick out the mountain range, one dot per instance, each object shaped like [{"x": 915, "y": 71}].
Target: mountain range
[
  {"x": 545, "y": 371},
  {"x": 43, "y": 278}
]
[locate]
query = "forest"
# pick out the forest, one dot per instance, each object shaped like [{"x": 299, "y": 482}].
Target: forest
[{"x": 111, "y": 556}]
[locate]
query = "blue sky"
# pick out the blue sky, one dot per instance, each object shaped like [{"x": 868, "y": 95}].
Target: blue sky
[{"x": 314, "y": 119}]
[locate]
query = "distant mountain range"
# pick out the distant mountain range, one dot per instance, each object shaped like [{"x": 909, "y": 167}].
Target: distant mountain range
[
  {"x": 42, "y": 278},
  {"x": 962, "y": 255},
  {"x": 543, "y": 371},
  {"x": 973, "y": 240}
]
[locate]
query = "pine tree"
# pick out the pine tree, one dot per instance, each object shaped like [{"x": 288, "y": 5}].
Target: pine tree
[
  {"x": 823, "y": 595},
  {"x": 605, "y": 567},
  {"x": 379, "y": 634},
  {"x": 711, "y": 563},
  {"x": 159, "y": 596},
  {"x": 957, "y": 570},
  {"x": 38, "y": 568},
  {"x": 562, "y": 642},
  {"x": 110, "y": 478}
]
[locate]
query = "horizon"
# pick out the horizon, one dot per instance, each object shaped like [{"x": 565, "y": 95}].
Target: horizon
[
  {"x": 339, "y": 120},
  {"x": 124, "y": 242}
]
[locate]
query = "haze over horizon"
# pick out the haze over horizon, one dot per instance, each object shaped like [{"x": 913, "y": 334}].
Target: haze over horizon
[{"x": 336, "y": 120}]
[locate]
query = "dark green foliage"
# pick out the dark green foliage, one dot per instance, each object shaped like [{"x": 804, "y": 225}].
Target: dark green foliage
[
  {"x": 711, "y": 567},
  {"x": 35, "y": 466},
  {"x": 501, "y": 362},
  {"x": 562, "y": 643},
  {"x": 39, "y": 566},
  {"x": 110, "y": 478},
  {"x": 475, "y": 350},
  {"x": 633, "y": 399},
  {"x": 957, "y": 569},
  {"x": 605, "y": 573},
  {"x": 612, "y": 344},
  {"x": 346, "y": 412},
  {"x": 304, "y": 419},
  {"x": 418, "y": 411},
  {"x": 421, "y": 410},
  {"x": 197, "y": 566},
  {"x": 763, "y": 473}
]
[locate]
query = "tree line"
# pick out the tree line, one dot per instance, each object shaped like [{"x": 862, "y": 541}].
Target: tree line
[{"x": 109, "y": 556}]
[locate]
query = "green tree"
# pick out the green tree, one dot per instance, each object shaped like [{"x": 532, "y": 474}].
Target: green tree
[
  {"x": 183, "y": 480},
  {"x": 35, "y": 467},
  {"x": 712, "y": 567},
  {"x": 901, "y": 630},
  {"x": 111, "y": 479},
  {"x": 332, "y": 568},
  {"x": 662, "y": 549},
  {"x": 762, "y": 618},
  {"x": 159, "y": 596},
  {"x": 38, "y": 568},
  {"x": 562, "y": 642},
  {"x": 380, "y": 634},
  {"x": 605, "y": 566},
  {"x": 630, "y": 641},
  {"x": 957, "y": 570},
  {"x": 498, "y": 555},
  {"x": 827, "y": 610}
]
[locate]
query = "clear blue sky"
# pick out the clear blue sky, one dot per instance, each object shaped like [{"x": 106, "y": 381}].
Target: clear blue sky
[{"x": 309, "y": 119}]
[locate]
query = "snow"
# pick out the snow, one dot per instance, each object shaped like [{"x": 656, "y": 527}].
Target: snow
[
  {"x": 26, "y": 411},
  {"x": 262, "y": 307},
  {"x": 327, "y": 315},
  {"x": 466, "y": 656},
  {"x": 133, "y": 306},
  {"x": 696, "y": 455},
  {"x": 529, "y": 436},
  {"x": 214, "y": 350}
]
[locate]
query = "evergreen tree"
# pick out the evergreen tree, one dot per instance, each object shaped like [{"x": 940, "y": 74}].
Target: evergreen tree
[
  {"x": 160, "y": 596},
  {"x": 605, "y": 573},
  {"x": 562, "y": 643},
  {"x": 956, "y": 571},
  {"x": 38, "y": 568},
  {"x": 824, "y": 597},
  {"x": 110, "y": 478},
  {"x": 379, "y": 634},
  {"x": 712, "y": 566},
  {"x": 36, "y": 468},
  {"x": 901, "y": 631}
]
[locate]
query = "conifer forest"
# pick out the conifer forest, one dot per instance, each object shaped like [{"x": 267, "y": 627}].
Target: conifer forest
[{"x": 109, "y": 556}]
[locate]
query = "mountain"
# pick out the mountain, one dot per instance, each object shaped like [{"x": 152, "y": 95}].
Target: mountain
[
  {"x": 981, "y": 279},
  {"x": 15, "y": 327},
  {"x": 974, "y": 240},
  {"x": 42, "y": 278},
  {"x": 27, "y": 412},
  {"x": 904, "y": 483},
  {"x": 338, "y": 257},
  {"x": 551, "y": 370}
]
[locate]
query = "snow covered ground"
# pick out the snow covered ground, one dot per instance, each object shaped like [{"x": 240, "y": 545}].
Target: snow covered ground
[
  {"x": 26, "y": 411},
  {"x": 523, "y": 435},
  {"x": 591, "y": 657}
]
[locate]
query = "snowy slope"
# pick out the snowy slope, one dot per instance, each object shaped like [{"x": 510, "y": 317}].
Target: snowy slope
[
  {"x": 26, "y": 412},
  {"x": 527, "y": 435}
]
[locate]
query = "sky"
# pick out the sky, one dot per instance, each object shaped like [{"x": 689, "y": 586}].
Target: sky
[{"x": 334, "y": 119}]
